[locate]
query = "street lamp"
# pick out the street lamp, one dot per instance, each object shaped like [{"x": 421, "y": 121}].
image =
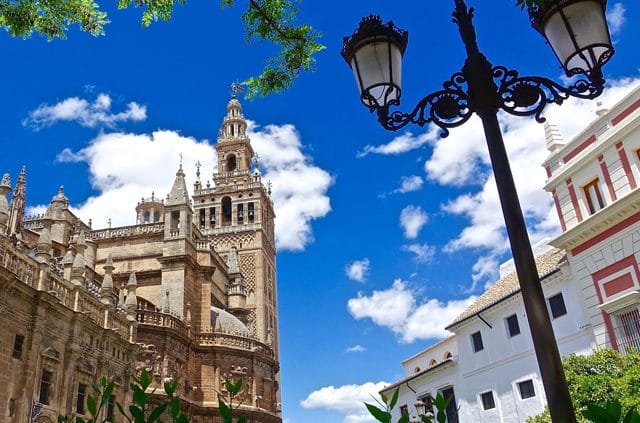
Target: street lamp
[
  {"x": 421, "y": 409},
  {"x": 578, "y": 34}
]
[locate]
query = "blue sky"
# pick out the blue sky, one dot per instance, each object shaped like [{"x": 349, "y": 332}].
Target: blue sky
[{"x": 383, "y": 237}]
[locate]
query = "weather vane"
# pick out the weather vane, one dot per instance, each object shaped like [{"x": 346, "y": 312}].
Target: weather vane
[
  {"x": 236, "y": 88},
  {"x": 269, "y": 185},
  {"x": 256, "y": 161},
  {"x": 180, "y": 158},
  {"x": 198, "y": 164}
]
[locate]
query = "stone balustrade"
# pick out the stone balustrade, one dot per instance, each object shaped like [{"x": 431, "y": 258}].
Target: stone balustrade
[
  {"x": 125, "y": 231},
  {"x": 81, "y": 299}
]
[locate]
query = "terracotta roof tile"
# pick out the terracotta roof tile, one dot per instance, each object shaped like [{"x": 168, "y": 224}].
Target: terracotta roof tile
[{"x": 546, "y": 263}]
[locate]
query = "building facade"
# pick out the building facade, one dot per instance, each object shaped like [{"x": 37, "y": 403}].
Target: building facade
[
  {"x": 188, "y": 292},
  {"x": 590, "y": 278}
]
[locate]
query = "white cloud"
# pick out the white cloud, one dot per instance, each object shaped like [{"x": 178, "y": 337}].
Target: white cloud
[
  {"x": 121, "y": 178},
  {"x": 356, "y": 348},
  {"x": 346, "y": 399},
  {"x": 461, "y": 159},
  {"x": 400, "y": 144},
  {"x": 407, "y": 184},
  {"x": 83, "y": 112},
  {"x": 616, "y": 18},
  {"x": 412, "y": 219},
  {"x": 396, "y": 308},
  {"x": 299, "y": 187},
  {"x": 358, "y": 270},
  {"x": 423, "y": 253}
]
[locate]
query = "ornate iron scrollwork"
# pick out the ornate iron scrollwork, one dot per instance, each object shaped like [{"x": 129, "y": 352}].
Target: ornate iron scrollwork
[
  {"x": 528, "y": 95},
  {"x": 446, "y": 108}
]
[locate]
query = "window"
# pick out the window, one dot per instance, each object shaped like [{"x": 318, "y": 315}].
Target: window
[
  {"x": 513, "y": 327},
  {"x": 231, "y": 159},
  {"x": 476, "y": 340},
  {"x": 240, "y": 213},
  {"x": 226, "y": 211},
  {"x": 156, "y": 217},
  {"x": 212, "y": 217},
  {"x": 147, "y": 216},
  {"x": 202, "y": 218},
  {"x": 17, "y": 346},
  {"x": 82, "y": 391},
  {"x": 45, "y": 384},
  {"x": 595, "y": 199},
  {"x": 526, "y": 389},
  {"x": 556, "y": 305},
  {"x": 432, "y": 362},
  {"x": 404, "y": 410},
  {"x": 488, "y": 402},
  {"x": 628, "y": 331},
  {"x": 250, "y": 211},
  {"x": 12, "y": 407},
  {"x": 111, "y": 406}
]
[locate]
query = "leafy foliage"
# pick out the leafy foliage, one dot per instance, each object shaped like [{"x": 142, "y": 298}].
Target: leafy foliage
[
  {"x": 140, "y": 411},
  {"x": 51, "y": 18},
  {"x": 599, "y": 383},
  {"x": 529, "y": 3},
  {"x": 268, "y": 20},
  {"x": 383, "y": 413}
]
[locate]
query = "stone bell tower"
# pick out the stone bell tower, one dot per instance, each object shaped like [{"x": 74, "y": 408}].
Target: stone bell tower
[{"x": 237, "y": 213}]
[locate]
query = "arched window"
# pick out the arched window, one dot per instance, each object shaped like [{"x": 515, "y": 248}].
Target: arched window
[
  {"x": 156, "y": 217},
  {"x": 226, "y": 211},
  {"x": 416, "y": 370},
  {"x": 448, "y": 355},
  {"x": 432, "y": 363},
  {"x": 231, "y": 162},
  {"x": 147, "y": 216}
]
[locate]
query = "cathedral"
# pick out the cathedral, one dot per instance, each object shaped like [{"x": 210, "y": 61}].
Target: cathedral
[{"x": 188, "y": 293}]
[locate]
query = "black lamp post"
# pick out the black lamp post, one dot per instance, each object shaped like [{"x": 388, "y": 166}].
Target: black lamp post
[{"x": 578, "y": 33}]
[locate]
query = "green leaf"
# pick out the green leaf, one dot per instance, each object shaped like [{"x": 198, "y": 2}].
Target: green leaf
[
  {"x": 137, "y": 413},
  {"x": 139, "y": 397},
  {"x": 236, "y": 387},
  {"x": 106, "y": 394},
  {"x": 225, "y": 412},
  {"x": 175, "y": 406},
  {"x": 632, "y": 416},
  {"x": 384, "y": 398},
  {"x": 91, "y": 405},
  {"x": 599, "y": 414},
  {"x": 394, "y": 399},
  {"x": 170, "y": 388},
  {"x": 145, "y": 379},
  {"x": 157, "y": 412},
  {"x": 242, "y": 419},
  {"x": 380, "y": 415},
  {"x": 404, "y": 419}
]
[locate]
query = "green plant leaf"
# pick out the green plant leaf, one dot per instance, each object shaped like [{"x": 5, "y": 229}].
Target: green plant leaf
[
  {"x": 632, "y": 416},
  {"x": 139, "y": 397},
  {"x": 404, "y": 419},
  {"x": 175, "y": 406},
  {"x": 236, "y": 387},
  {"x": 136, "y": 413},
  {"x": 394, "y": 399},
  {"x": 145, "y": 379},
  {"x": 91, "y": 405},
  {"x": 384, "y": 398},
  {"x": 380, "y": 415},
  {"x": 599, "y": 414},
  {"x": 157, "y": 412},
  {"x": 242, "y": 419},
  {"x": 170, "y": 388},
  {"x": 225, "y": 412},
  {"x": 106, "y": 394}
]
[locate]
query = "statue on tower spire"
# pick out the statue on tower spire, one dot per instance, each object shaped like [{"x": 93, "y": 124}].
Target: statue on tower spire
[
  {"x": 236, "y": 88},
  {"x": 16, "y": 213}
]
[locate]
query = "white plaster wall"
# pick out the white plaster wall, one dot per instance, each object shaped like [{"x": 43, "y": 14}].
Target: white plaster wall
[{"x": 436, "y": 352}]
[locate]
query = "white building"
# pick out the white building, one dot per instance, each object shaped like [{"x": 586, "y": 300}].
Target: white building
[{"x": 591, "y": 280}]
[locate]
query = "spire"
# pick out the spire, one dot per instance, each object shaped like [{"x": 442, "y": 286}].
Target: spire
[
  {"x": 179, "y": 194},
  {"x": 553, "y": 136},
  {"x": 77, "y": 269},
  {"x": 5, "y": 188},
  {"x": 44, "y": 246},
  {"x": 232, "y": 260},
  {"x": 131, "y": 302},
  {"x": 106, "y": 289},
  {"x": 16, "y": 214}
]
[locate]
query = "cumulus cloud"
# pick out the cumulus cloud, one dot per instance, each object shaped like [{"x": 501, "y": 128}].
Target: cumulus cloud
[
  {"x": 347, "y": 400},
  {"x": 299, "y": 187},
  {"x": 358, "y": 270},
  {"x": 356, "y": 348},
  {"x": 400, "y": 144},
  {"x": 407, "y": 184},
  {"x": 397, "y": 308},
  {"x": 412, "y": 219},
  {"x": 121, "y": 178},
  {"x": 461, "y": 159},
  {"x": 616, "y": 17},
  {"x": 85, "y": 113},
  {"x": 423, "y": 253}
]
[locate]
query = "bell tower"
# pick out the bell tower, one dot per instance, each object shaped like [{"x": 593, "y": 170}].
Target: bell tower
[{"x": 237, "y": 216}]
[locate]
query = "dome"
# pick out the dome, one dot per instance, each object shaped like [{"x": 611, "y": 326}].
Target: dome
[{"x": 223, "y": 321}]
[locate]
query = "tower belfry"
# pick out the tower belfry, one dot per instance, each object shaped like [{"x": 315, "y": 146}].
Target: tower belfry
[{"x": 237, "y": 214}]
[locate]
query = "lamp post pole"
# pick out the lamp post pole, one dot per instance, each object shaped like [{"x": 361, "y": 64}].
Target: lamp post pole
[
  {"x": 484, "y": 89},
  {"x": 483, "y": 93}
]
